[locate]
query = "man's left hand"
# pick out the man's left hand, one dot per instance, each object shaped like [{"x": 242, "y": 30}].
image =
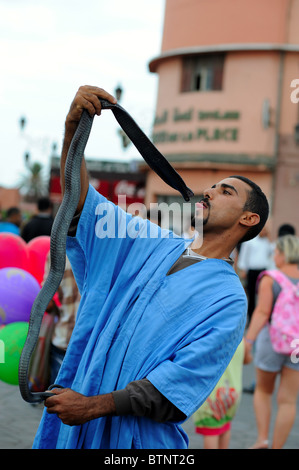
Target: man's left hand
[{"x": 73, "y": 408}]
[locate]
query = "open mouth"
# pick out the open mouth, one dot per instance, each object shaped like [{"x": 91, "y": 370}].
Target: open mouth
[{"x": 202, "y": 205}]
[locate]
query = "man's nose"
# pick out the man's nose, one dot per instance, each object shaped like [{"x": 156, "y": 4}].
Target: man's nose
[{"x": 208, "y": 193}]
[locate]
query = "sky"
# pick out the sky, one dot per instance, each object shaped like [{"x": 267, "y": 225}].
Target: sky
[{"x": 49, "y": 49}]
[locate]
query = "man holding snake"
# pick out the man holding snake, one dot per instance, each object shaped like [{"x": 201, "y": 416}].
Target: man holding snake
[{"x": 159, "y": 319}]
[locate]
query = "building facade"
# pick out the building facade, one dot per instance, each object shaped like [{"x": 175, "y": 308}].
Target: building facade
[
  {"x": 227, "y": 100},
  {"x": 123, "y": 183}
]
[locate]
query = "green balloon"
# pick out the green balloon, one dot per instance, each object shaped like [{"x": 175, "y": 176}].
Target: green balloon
[{"x": 12, "y": 340}]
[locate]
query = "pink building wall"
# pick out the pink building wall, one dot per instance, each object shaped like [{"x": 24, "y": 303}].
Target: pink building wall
[
  {"x": 245, "y": 87},
  {"x": 205, "y": 22},
  {"x": 261, "y": 42}
]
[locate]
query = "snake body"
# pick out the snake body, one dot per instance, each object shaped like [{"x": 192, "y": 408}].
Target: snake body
[{"x": 65, "y": 215}]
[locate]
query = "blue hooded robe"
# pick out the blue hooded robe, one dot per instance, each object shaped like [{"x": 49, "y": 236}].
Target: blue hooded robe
[{"x": 134, "y": 321}]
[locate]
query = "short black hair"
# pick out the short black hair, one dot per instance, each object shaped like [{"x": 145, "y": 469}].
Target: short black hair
[
  {"x": 286, "y": 229},
  {"x": 44, "y": 203},
  {"x": 257, "y": 203},
  {"x": 12, "y": 211}
]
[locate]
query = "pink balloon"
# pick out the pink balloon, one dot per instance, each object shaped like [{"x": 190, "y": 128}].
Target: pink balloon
[
  {"x": 38, "y": 249},
  {"x": 13, "y": 251}
]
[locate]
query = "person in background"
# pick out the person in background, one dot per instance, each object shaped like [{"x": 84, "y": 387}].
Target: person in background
[
  {"x": 213, "y": 419},
  {"x": 269, "y": 363},
  {"x": 66, "y": 311},
  {"x": 12, "y": 222},
  {"x": 286, "y": 229},
  {"x": 41, "y": 223},
  {"x": 254, "y": 257}
]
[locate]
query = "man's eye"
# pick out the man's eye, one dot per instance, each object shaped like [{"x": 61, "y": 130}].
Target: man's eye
[{"x": 226, "y": 192}]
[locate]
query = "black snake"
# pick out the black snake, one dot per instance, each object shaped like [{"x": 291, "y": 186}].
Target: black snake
[{"x": 65, "y": 214}]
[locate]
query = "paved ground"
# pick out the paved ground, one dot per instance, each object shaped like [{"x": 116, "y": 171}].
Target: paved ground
[{"x": 19, "y": 421}]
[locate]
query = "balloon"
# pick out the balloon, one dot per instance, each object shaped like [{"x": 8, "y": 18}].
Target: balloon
[
  {"x": 13, "y": 251},
  {"x": 12, "y": 340},
  {"x": 18, "y": 290},
  {"x": 38, "y": 249}
]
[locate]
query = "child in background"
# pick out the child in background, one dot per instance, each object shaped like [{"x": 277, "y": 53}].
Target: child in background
[{"x": 213, "y": 419}]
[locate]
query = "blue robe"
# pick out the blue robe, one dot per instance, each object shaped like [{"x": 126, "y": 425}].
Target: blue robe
[{"x": 178, "y": 331}]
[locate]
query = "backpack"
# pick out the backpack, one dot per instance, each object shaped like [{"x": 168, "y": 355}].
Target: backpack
[{"x": 284, "y": 325}]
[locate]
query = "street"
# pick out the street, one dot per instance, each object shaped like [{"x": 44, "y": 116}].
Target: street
[{"x": 19, "y": 420}]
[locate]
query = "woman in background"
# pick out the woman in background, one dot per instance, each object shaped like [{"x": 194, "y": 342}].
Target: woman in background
[{"x": 268, "y": 362}]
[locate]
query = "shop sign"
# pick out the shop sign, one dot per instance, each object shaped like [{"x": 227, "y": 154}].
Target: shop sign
[
  {"x": 201, "y": 133},
  {"x": 134, "y": 191},
  {"x": 216, "y": 134}
]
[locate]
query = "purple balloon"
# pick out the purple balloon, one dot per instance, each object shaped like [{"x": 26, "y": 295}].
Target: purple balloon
[{"x": 18, "y": 290}]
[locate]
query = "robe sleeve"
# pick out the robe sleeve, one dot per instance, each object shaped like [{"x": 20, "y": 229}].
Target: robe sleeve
[
  {"x": 141, "y": 398},
  {"x": 188, "y": 377}
]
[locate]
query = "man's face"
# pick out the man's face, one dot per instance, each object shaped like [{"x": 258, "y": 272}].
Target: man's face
[{"x": 222, "y": 206}]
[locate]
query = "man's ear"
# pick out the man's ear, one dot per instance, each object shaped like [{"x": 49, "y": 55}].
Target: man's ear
[{"x": 249, "y": 219}]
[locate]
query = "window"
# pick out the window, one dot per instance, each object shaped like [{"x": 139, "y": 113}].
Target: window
[{"x": 202, "y": 72}]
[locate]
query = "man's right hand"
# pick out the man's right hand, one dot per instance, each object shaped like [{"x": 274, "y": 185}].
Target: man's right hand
[{"x": 87, "y": 97}]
